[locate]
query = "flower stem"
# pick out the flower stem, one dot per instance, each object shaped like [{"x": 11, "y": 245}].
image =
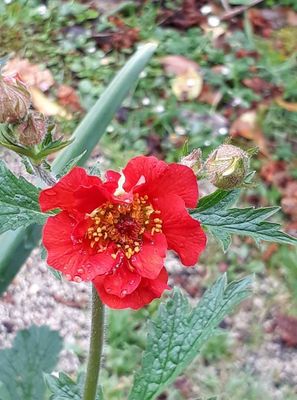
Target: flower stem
[
  {"x": 95, "y": 350},
  {"x": 44, "y": 175}
]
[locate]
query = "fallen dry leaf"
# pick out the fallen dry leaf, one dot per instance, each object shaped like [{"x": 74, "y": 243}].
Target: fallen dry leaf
[
  {"x": 187, "y": 86},
  {"x": 68, "y": 98},
  {"x": 246, "y": 126},
  {"x": 31, "y": 74},
  {"x": 268, "y": 18},
  {"x": 287, "y": 329},
  {"x": 260, "y": 86},
  {"x": 289, "y": 200},
  {"x": 187, "y": 16},
  {"x": 122, "y": 37},
  {"x": 46, "y": 106},
  {"x": 292, "y": 107},
  {"x": 210, "y": 96},
  {"x": 178, "y": 65},
  {"x": 275, "y": 172}
]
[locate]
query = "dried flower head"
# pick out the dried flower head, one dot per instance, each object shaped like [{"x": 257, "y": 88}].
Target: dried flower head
[
  {"x": 15, "y": 99},
  {"x": 33, "y": 130},
  {"x": 193, "y": 160}
]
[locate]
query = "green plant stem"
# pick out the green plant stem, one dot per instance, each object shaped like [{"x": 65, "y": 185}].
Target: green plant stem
[
  {"x": 44, "y": 175},
  {"x": 95, "y": 350}
]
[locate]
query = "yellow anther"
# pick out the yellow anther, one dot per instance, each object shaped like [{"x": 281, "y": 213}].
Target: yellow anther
[
  {"x": 114, "y": 256},
  {"x": 137, "y": 249}
]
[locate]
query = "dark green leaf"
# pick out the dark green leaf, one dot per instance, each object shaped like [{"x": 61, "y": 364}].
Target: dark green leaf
[
  {"x": 218, "y": 199},
  {"x": 179, "y": 332},
  {"x": 243, "y": 221},
  {"x": 64, "y": 388},
  {"x": 34, "y": 351},
  {"x": 19, "y": 205},
  {"x": 13, "y": 256}
]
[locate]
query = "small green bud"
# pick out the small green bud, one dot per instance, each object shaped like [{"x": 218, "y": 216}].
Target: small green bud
[
  {"x": 15, "y": 99},
  {"x": 227, "y": 167},
  {"x": 193, "y": 160},
  {"x": 33, "y": 130}
]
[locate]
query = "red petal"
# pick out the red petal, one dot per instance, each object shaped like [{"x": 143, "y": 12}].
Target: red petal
[
  {"x": 184, "y": 234},
  {"x": 150, "y": 260},
  {"x": 112, "y": 180},
  {"x": 147, "y": 291},
  {"x": 156, "y": 178},
  {"x": 148, "y": 167},
  {"x": 177, "y": 179},
  {"x": 71, "y": 257},
  {"x": 61, "y": 195},
  {"x": 89, "y": 198},
  {"x": 122, "y": 281}
]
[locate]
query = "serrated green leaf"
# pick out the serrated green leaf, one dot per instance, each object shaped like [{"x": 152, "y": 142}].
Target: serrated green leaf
[
  {"x": 218, "y": 200},
  {"x": 19, "y": 205},
  {"x": 64, "y": 388},
  {"x": 243, "y": 221},
  {"x": 179, "y": 332},
  {"x": 34, "y": 351}
]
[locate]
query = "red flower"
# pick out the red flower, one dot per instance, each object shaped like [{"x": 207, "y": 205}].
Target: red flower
[{"x": 116, "y": 233}]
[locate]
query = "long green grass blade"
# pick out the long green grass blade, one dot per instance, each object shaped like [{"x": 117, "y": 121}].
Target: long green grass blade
[{"x": 17, "y": 245}]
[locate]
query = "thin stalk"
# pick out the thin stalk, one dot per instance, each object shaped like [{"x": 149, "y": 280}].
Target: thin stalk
[
  {"x": 95, "y": 349},
  {"x": 44, "y": 175}
]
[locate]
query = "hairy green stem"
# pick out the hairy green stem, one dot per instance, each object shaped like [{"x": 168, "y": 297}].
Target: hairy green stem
[
  {"x": 44, "y": 175},
  {"x": 95, "y": 350}
]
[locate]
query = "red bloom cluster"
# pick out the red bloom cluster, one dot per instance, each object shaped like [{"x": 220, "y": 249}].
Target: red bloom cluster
[{"x": 116, "y": 233}]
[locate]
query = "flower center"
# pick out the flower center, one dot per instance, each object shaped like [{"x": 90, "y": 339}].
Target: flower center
[{"x": 124, "y": 225}]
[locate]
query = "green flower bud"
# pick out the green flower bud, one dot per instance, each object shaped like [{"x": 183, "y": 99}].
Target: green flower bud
[
  {"x": 227, "y": 166},
  {"x": 33, "y": 130},
  {"x": 15, "y": 99},
  {"x": 193, "y": 160}
]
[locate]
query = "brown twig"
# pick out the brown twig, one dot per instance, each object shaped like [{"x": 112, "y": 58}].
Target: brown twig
[{"x": 238, "y": 10}]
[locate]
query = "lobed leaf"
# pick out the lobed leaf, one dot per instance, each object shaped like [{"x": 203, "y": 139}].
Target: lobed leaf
[
  {"x": 34, "y": 351},
  {"x": 178, "y": 333},
  {"x": 64, "y": 388},
  {"x": 218, "y": 200},
  {"x": 19, "y": 205},
  {"x": 243, "y": 221}
]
